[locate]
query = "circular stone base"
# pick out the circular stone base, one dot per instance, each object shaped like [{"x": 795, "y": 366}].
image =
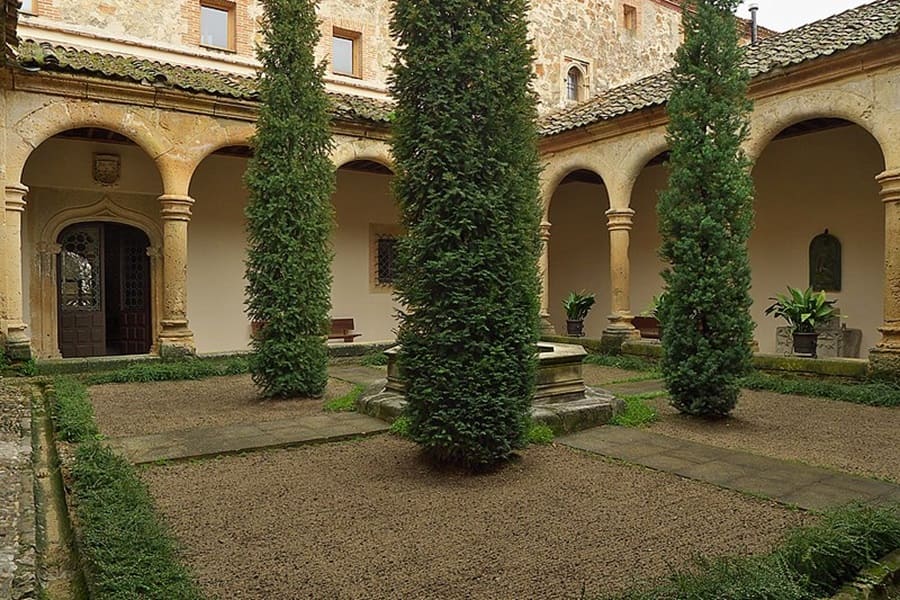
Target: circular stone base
[{"x": 596, "y": 407}]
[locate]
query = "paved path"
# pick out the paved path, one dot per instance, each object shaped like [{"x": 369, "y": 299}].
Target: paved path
[
  {"x": 788, "y": 482},
  {"x": 232, "y": 439},
  {"x": 358, "y": 374}
]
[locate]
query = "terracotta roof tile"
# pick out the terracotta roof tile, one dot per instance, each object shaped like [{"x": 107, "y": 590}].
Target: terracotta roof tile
[
  {"x": 43, "y": 56},
  {"x": 856, "y": 27}
]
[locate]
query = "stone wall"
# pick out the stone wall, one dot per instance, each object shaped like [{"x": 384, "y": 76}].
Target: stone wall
[{"x": 592, "y": 34}]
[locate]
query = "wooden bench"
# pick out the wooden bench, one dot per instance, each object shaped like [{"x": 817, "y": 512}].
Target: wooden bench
[
  {"x": 343, "y": 329},
  {"x": 648, "y": 326}
]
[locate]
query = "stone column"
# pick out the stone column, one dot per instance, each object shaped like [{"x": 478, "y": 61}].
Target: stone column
[
  {"x": 544, "y": 266},
  {"x": 175, "y": 339},
  {"x": 44, "y": 323},
  {"x": 18, "y": 343},
  {"x": 885, "y": 358},
  {"x": 620, "y": 328}
]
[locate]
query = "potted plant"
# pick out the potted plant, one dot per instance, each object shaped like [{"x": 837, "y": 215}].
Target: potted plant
[
  {"x": 804, "y": 311},
  {"x": 577, "y": 307}
]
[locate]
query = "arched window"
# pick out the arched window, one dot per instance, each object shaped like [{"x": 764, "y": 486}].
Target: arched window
[{"x": 574, "y": 84}]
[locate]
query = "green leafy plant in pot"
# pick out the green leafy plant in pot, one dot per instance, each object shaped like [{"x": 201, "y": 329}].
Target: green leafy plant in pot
[
  {"x": 804, "y": 311},
  {"x": 577, "y": 307}
]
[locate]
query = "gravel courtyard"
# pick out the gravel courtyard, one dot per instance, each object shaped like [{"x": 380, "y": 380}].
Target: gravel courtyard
[
  {"x": 370, "y": 519},
  {"x": 864, "y": 440},
  {"x": 143, "y": 408}
]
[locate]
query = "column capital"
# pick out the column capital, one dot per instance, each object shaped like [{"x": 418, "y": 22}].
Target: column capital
[
  {"x": 176, "y": 208},
  {"x": 49, "y": 249},
  {"x": 620, "y": 219},
  {"x": 15, "y": 197},
  {"x": 544, "y": 231},
  {"x": 890, "y": 185}
]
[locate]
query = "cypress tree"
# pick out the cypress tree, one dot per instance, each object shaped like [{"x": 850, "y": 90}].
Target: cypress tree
[
  {"x": 290, "y": 180},
  {"x": 467, "y": 183},
  {"x": 706, "y": 216}
]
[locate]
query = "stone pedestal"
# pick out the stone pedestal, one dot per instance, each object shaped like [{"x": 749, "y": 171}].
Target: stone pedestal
[{"x": 835, "y": 340}]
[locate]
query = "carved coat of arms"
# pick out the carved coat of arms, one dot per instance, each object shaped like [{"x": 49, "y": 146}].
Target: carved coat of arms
[{"x": 107, "y": 168}]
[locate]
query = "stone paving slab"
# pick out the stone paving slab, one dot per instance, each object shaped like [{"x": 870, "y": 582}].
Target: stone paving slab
[
  {"x": 233, "y": 439},
  {"x": 359, "y": 374},
  {"x": 17, "y": 508},
  {"x": 808, "y": 487}
]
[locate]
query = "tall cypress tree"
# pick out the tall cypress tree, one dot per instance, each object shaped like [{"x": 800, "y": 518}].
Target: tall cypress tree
[
  {"x": 290, "y": 179},
  {"x": 467, "y": 182},
  {"x": 706, "y": 216}
]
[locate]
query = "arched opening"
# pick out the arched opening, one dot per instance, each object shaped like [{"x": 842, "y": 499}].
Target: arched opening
[
  {"x": 217, "y": 251},
  {"x": 579, "y": 248},
  {"x": 104, "y": 295},
  {"x": 574, "y": 85},
  {"x": 100, "y": 181},
  {"x": 646, "y": 265},
  {"x": 367, "y": 227},
  {"x": 817, "y": 175}
]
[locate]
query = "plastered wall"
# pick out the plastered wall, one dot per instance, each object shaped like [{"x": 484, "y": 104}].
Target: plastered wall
[{"x": 579, "y": 252}]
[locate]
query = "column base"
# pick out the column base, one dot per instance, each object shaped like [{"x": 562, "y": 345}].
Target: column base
[
  {"x": 176, "y": 341},
  {"x": 18, "y": 344},
  {"x": 615, "y": 335},
  {"x": 884, "y": 362},
  {"x": 547, "y": 327}
]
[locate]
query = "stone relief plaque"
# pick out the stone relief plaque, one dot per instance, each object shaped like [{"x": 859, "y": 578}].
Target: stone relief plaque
[
  {"x": 825, "y": 263},
  {"x": 107, "y": 169}
]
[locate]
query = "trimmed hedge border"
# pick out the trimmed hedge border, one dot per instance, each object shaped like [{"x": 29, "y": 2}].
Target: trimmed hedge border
[
  {"x": 124, "y": 549},
  {"x": 813, "y": 562}
]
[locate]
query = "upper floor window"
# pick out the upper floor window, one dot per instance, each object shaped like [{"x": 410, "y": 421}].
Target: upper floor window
[
  {"x": 630, "y": 18},
  {"x": 217, "y": 24},
  {"x": 346, "y": 52},
  {"x": 27, "y": 6},
  {"x": 574, "y": 85}
]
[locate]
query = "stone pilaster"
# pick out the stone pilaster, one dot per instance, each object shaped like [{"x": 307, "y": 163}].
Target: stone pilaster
[
  {"x": 620, "y": 328},
  {"x": 885, "y": 358},
  {"x": 544, "y": 266},
  {"x": 175, "y": 338},
  {"x": 44, "y": 320},
  {"x": 18, "y": 343}
]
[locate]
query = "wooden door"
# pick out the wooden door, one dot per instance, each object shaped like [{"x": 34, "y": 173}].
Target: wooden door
[
  {"x": 82, "y": 318},
  {"x": 128, "y": 325}
]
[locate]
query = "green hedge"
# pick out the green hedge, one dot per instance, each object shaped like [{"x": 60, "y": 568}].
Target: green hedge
[
  {"x": 174, "y": 370},
  {"x": 73, "y": 414}
]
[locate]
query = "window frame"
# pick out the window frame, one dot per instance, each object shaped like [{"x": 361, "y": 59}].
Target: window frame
[
  {"x": 630, "y": 18},
  {"x": 230, "y": 9},
  {"x": 379, "y": 231},
  {"x": 31, "y": 11},
  {"x": 356, "y": 55},
  {"x": 579, "y": 84}
]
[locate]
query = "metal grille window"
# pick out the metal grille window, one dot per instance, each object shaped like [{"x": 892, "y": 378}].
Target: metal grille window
[
  {"x": 573, "y": 85},
  {"x": 386, "y": 248},
  {"x": 133, "y": 288},
  {"x": 80, "y": 270}
]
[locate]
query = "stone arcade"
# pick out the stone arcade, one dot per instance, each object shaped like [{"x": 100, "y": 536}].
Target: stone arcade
[{"x": 124, "y": 140}]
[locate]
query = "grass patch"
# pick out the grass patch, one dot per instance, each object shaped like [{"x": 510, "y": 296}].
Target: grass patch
[
  {"x": 813, "y": 562},
  {"x": 126, "y": 549},
  {"x": 624, "y": 362},
  {"x": 540, "y": 434},
  {"x": 173, "y": 370},
  {"x": 73, "y": 414},
  {"x": 400, "y": 427},
  {"x": 871, "y": 393},
  {"x": 376, "y": 358},
  {"x": 637, "y": 412},
  {"x": 347, "y": 402}
]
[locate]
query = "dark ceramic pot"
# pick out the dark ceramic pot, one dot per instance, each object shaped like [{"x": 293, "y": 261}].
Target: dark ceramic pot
[
  {"x": 575, "y": 328},
  {"x": 806, "y": 344}
]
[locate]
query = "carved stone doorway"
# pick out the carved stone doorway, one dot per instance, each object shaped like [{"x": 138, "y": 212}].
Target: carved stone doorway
[{"x": 104, "y": 297}]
